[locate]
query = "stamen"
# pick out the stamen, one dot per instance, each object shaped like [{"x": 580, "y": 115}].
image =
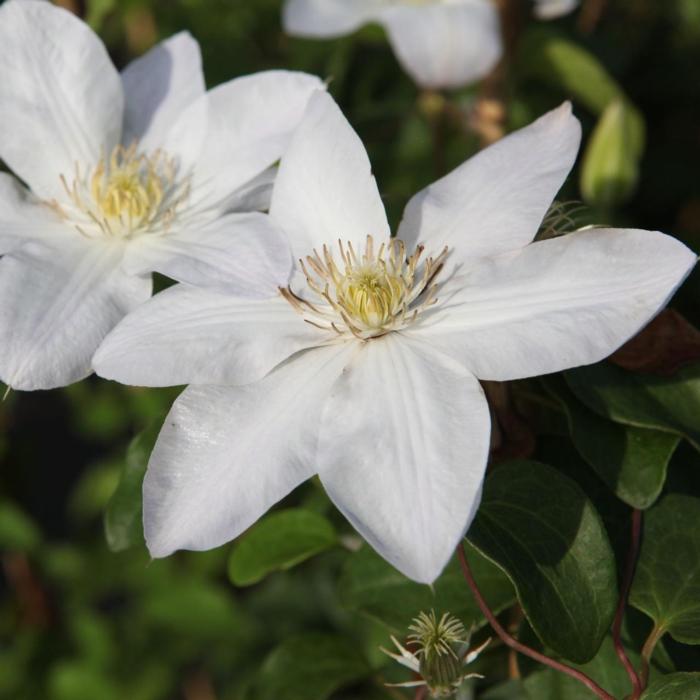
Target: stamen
[
  {"x": 369, "y": 294},
  {"x": 127, "y": 193}
]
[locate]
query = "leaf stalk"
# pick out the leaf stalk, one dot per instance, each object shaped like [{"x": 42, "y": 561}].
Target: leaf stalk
[{"x": 514, "y": 643}]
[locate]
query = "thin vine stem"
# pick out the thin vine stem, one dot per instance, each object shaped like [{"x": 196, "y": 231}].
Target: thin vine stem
[
  {"x": 515, "y": 644},
  {"x": 648, "y": 651},
  {"x": 421, "y": 693},
  {"x": 630, "y": 566}
]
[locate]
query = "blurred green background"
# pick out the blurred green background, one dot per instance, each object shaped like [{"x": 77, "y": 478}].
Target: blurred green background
[{"x": 84, "y": 614}]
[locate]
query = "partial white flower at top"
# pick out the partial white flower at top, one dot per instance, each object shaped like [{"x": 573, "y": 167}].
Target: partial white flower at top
[
  {"x": 551, "y": 9},
  {"x": 364, "y": 370},
  {"x": 127, "y": 174},
  {"x": 439, "y": 43}
]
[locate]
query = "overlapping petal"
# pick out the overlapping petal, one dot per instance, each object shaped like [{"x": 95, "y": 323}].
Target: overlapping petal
[
  {"x": 225, "y": 455},
  {"x": 158, "y": 87},
  {"x": 445, "y": 45},
  {"x": 59, "y": 302},
  {"x": 495, "y": 201},
  {"x": 242, "y": 254},
  {"x": 61, "y": 97},
  {"x": 555, "y": 304},
  {"x": 250, "y": 121},
  {"x": 186, "y": 335},
  {"x": 325, "y": 189},
  {"x": 402, "y": 451},
  {"x": 23, "y": 217}
]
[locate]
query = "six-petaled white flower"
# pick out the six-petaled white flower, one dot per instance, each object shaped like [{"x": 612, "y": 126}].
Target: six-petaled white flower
[
  {"x": 127, "y": 174},
  {"x": 364, "y": 370},
  {"x": 439, "y": 43}
]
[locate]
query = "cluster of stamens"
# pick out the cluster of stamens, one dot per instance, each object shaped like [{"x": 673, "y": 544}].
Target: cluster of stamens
[
  {"x": 125, "y": 194},
  {"x": 369, "y": 294}
]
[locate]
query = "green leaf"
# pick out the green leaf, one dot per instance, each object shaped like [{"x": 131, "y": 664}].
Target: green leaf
[
  {"x": 122, "y": 521},
  {"x": 562, "y": 64},
  {"x": 98, "y": 11},
  {"x": 195, "y": 609},
  {"x": 610, "y": 169},
  {"x": 542, "y": 530},
  {"x": 18, "y": 533},
  {"x": 671, "y": 404},
  {"x": 70, "y": 680},
  {"x": 677, "y": 686},
  {"x": 605, "y": 669},
  {"x": 310, "y": 667},
  {"x": 632, "y": 461},
  {"x": 278, "y": 542},
  {"x": 371, "y": 585},
  {"x": 667, "y": 582}
]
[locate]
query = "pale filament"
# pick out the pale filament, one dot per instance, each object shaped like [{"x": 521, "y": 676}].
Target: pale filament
[
  {"x": 125, "y": 194},
  {"x": 370, "y": 294}
]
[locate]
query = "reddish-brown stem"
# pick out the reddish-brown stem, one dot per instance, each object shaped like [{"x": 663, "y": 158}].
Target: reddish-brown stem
[
  {"x": 513, "y": 643},
  {"x": 628, "y": 575},
  {"x": 421, "y": 693}
]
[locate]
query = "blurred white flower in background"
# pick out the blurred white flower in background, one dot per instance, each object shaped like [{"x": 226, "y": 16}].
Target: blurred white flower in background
[
  {"x": 364, "y": 370},
  {"x": 441, "y": 44},
  {"x": 551, "y": 9},
  {"x": 127, "y": 174}
]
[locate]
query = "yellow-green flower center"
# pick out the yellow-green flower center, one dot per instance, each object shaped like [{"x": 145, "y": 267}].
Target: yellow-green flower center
[
  {"x": 125, "y": 194},
  {"x": 366, "y": 294}
]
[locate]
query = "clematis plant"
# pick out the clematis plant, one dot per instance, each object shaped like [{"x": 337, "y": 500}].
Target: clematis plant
[
  {"x": 441, "y": 44},
  {"x": 364, "y": 370},
  {"x": 127, "y": 174}
]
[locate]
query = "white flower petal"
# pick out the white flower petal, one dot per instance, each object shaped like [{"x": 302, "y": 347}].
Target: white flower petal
[
  {"x": 328, "y": 18},
  {"x": 158, "y": 87},
  {"x": 227, "y": 454},
  {"x": 242, "y": 254},
  {"x": 250, "y": 124},
  {"x": 58, "y": 305},
  {"x": 23, "y": 217},
  {"x": 556, "y": 304},
  {"x": 495, "y": 202},
  {"x": 61, "y": 96},
  {"x": 186, "y": 335},
  {"x": 551, "y": 9},
  {"x": 325, "y": 189},
  {"x": 256, "y": 195},
  {"x": 445, "y": 45},
  {"x": 402, "y": 451}
]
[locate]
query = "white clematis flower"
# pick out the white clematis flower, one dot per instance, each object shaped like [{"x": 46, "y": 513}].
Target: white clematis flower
[
  {"x": 127, "y": 174},
  {"x": 368, "y": 363},
  {"x": 440, "y": 43}
]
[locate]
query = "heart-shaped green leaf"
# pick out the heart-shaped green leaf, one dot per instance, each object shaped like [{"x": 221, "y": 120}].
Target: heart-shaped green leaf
[
  {"x": 667, "y": 582},
  {"x": 631, "y": 461},
  {"x": 310, "y": 667},
  {"x": 677, "y": 686},
  {"x": 277, "y": 542},
  {"x": 542, "y": 530},
  {"x": 643, "y": 400},
  {"x": 376, "y": 588}
]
